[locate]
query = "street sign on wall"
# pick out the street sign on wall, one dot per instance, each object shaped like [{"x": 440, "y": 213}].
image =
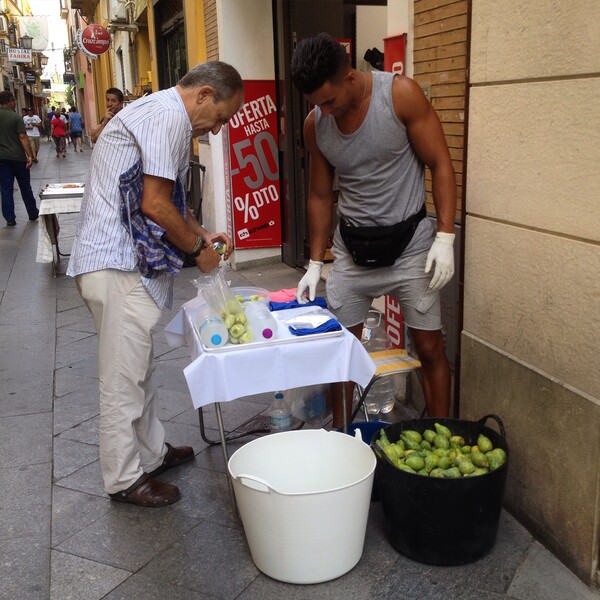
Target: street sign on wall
[
  {"x": 252, "y": 169},
  {"x": 19, "y": 55},
  {"x": 93, "y": 40}
]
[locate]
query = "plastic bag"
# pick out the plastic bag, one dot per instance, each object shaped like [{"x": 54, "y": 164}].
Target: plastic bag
[
  {"x": 216, "y": 293},
  {"x": 311, "y": 404}
]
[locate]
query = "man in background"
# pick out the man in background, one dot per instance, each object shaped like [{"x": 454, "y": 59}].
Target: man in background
[
  {"x": 114, "y": 103},
  {"x": 15, "y": 160},
  {"x": 33, "y": 127}
]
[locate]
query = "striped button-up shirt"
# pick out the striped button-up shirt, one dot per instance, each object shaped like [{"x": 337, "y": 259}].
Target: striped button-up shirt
[{"x": 155, "y": 130}]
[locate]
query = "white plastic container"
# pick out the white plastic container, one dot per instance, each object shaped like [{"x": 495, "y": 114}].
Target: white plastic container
[
  {"x": 211, "y": 328},
  {"x": 304, "y": 499},
  {"x": 263, "y": 323}
]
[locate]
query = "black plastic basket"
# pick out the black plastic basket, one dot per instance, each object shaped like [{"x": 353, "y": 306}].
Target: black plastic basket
[{"x": 442, "y": 521}]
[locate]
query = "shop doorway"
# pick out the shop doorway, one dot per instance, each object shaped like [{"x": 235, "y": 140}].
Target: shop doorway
[
  {"x": 293, "y": 21},
  {"x": 170, "y": 42}
]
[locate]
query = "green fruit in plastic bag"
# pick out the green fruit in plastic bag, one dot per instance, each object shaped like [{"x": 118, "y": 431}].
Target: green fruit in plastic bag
[
  {"x": 441, "y": 441},
  {"x": 441, "y": 452},
  {"x": 400, "y": 445},
  {"x": 415, "y": 462},
  {"x": 466, "y": 449},
  {"x": 443, "y": 430},
  {"x": 479, "y": 459},
  {"x": 484, "y": 443},
  {"x": 437, "y": 472},
  {"x": 451, "y": 473},
  {"x": 414, "y": 436}
]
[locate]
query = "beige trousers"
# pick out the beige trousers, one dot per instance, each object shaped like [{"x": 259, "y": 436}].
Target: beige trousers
[{"x": 132, "y": 439}]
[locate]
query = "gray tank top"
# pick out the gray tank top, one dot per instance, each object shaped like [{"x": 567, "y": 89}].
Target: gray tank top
[{"x": 380, "y": 178}]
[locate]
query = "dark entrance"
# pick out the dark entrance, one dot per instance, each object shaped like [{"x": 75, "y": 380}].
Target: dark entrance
[
  {"x": 293, "y": 21},
  {"x": 170, "y": 42}
]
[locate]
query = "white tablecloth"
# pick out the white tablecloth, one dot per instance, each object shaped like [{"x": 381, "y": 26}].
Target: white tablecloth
[
  {"x": 227, "y": 375},
  {"x": 52, "y": 206}
]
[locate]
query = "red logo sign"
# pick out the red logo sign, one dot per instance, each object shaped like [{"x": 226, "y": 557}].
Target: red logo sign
[{"x": 94, "y": 39}]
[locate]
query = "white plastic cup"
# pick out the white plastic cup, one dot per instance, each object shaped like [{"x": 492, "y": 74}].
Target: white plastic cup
[
  {"x": 263, "y": 323},
  {"x": 211, "y": 328}
]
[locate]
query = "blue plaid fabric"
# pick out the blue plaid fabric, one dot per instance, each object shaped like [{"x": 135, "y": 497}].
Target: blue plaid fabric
[{"x": 155, "y": 253}]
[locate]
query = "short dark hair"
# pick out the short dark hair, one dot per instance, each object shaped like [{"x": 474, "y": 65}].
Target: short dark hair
[
  {"x": 115, "y": 92},
  {"x": 222, "y": 77},
  {"x": 6, "y": 97},
  {"x": 317, "y": 60}
]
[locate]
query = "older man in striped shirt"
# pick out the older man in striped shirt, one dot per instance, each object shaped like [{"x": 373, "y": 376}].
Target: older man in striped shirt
[{"x": 133, "y": 232}]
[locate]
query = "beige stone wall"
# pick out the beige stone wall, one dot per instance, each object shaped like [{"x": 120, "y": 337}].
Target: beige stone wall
[{"x": 530, "y": 342}]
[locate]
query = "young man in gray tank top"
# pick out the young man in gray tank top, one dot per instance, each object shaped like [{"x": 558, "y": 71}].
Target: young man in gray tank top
[{"x": 376, "y": 131}]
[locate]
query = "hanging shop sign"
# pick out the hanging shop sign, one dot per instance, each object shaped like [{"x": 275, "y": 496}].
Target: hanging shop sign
[
  {"x": 19, "y": 55},
  {"x": 252, "y": 169},
  {"x": 30, "y": 76},
  {"x": 93, "y": 40}
]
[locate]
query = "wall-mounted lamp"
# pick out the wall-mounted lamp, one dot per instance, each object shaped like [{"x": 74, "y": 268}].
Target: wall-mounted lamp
[{"x": 26, "y": 41}]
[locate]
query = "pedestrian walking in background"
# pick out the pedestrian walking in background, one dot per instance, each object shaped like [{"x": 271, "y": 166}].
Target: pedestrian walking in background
[
  {"x": 33, "y": 127},
  {"x": 15, "y": 160},
  {"x": 59, "y": 131},
  {"x": 47, "y": 126},
  {"x": 76, "y": 126},
  {"x": 65, "y": 115},
  {"x": 133, "y": 233},
  {"x": 114, "y": 103}
]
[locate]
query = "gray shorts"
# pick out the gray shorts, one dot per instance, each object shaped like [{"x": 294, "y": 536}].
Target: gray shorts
[{"x": 351, "y": 289}]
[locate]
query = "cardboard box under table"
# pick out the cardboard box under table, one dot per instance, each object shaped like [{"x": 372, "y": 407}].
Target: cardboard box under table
[
  {"x": 284, "y": 363},
  {"x": 55, "y": 199}
]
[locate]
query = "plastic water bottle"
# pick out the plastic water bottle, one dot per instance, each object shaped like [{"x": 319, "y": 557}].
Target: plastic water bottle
[
  {"x": 374, "y": 338},
  {"x": 211, "y": 328},
  {"x": 280, "y": 413},
  {"x": 263, "y": 323}
]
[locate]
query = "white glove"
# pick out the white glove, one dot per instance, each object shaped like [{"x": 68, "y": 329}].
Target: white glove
[
  {"x": 309, "y": 281},
  {"x": 442, "y": 253}
]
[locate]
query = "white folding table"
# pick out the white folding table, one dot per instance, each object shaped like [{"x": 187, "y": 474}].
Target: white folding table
[
  {"x": 223, "y": 376},
  {"x": 55, "y": 199}
]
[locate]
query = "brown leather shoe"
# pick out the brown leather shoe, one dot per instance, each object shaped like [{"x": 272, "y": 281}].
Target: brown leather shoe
[
  {"x": 150, "y": 493},
  {"x": 173, "y": 458}
]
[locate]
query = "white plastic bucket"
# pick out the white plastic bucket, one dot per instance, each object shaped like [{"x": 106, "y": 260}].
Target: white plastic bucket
[{"x": 303, "y": 498}]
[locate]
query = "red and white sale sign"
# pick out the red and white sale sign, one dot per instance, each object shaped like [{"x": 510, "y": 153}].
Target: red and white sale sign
[{"x": 254, "y": 169}]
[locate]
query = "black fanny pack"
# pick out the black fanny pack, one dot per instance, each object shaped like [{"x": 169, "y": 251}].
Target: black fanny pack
[{"x": 379, "y": 246}]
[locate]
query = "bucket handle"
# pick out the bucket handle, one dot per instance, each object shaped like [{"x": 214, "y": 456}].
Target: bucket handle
[
  {"x": 258, "y": 480},
  {"x": 498, "y": 422}
]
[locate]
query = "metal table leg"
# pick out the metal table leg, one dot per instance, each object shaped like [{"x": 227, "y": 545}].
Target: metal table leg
[{"x": 226, "y": 457}]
